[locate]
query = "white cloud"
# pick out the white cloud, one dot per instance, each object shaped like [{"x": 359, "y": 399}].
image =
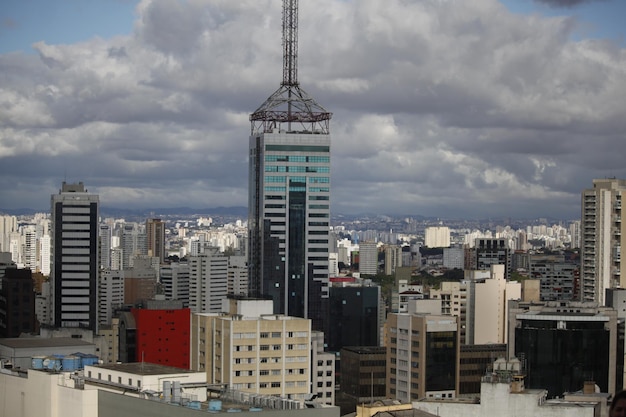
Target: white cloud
[{"x": 440, "y": 107}]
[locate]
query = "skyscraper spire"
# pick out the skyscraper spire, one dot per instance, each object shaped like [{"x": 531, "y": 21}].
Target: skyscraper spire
[
  {"x": 289, "y": 193},
  {"x": 290, "y": 108}
]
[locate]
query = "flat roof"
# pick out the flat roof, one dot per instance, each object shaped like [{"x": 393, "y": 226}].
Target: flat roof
[
  {"x": 41, "y": 342},
  {"x": 145, "y": 368}
]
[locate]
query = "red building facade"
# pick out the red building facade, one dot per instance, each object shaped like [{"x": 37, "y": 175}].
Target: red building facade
[{"x": 162, "y": 336}]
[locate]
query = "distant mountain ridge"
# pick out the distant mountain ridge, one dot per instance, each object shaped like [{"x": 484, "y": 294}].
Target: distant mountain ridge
[{"x": 121, "y": 212}]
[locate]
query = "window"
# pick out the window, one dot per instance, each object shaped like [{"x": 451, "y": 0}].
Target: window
[{"x": 275, "y": 384}]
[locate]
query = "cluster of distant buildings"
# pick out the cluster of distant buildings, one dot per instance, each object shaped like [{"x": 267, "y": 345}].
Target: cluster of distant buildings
[
  {"x": 279, "y": 313},
  {"x": 555, "y": 332}
]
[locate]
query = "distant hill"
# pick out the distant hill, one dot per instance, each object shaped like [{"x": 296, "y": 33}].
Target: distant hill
[{"x": 237, "y": 211}]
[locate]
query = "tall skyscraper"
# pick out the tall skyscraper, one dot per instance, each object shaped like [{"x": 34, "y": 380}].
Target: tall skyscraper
[
  {"x": 603, "y": 238},
  {"x": 289, "y": 193},
  {"x": 75, "y": 256},
  {"x": 155, "y": 232}
]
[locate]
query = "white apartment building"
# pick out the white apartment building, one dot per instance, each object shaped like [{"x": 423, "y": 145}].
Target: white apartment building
[
  {"x": 487, "y": 312},
  {"x": 603, "y": 238},
  {"x": 437, "y": 237}
]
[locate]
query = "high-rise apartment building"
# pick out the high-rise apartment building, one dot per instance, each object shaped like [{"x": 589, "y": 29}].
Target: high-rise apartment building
[
  {"x": 208, "y": 281},
  {"x": 289, "y": 193},
  {"x": 437, "y": 237},
  {"x": 155, "y": 234},
  {"x": 75, "y": 256},
  {"x": 603, "y": 238},
  {"x": 368, "y": 258}
]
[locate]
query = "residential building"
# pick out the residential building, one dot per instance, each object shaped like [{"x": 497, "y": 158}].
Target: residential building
[
  {"x": 253, "y": 350},
  {"x": 393, "y": 258},
  {"x": 75, "y": 251},
  {"x": 368, "y": 258},
  {"x": 603, "y": 238},
  {"x": 487, "y": 307},
  {"x": 155, "y": 238},
  {"x": 559, "y": 278},
  {"x": 208, "y": 280},
  {"x": 110, "y": 294},
  {"x": 453, "y": 258},
  {"x": 437, "y": 237},
  {"x": 322, "y": 370}
]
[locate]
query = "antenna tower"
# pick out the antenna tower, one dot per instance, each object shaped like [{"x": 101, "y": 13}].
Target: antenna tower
[{"x": 290, "y": 108}]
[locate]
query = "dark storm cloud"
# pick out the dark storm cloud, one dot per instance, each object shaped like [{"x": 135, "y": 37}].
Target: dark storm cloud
[
  {"x": 566, "y": 3},
  {"x": 440, "y": 107}
]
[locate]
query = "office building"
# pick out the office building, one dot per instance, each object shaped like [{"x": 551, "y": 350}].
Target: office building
[
  {"x": 75, "y": 251},
  {"x": 238, "y": 275},
  {"x": 363, "y": 374},
  {"x": 17, "y": 303},
  {"x": 489, "y": 252},
  {"x": 175, "y": 281},
  {"x": 355, "y": 310},
  {"x": 603, "y": 238},
  {"x": 474, "y": 364},
  {"x": 422, "y": 356},
  {"x": 503, "y": 393},
  {"x": 289, "y": 193},
  {"x": 564, "y": 344}
]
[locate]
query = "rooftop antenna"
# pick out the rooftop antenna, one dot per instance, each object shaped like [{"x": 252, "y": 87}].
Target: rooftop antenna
[{"x": 290, "y": 108}]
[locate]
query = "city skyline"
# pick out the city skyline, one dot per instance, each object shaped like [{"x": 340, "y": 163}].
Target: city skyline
[{"x": 440, "y": 108}]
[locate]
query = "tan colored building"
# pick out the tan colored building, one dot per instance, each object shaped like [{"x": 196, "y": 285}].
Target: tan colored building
[
  {"x": 252, "y": 350},
  {"x": 422, "y": 356},
  {"x": 487, "y": 307}
]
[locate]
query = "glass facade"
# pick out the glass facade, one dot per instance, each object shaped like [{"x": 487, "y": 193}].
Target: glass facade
[
  {"x": 288, "y": 241},
  {"x": 560, "y": 358}
]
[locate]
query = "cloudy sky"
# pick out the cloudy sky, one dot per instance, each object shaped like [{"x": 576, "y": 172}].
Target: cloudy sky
[{"x": 449, "y": 108}]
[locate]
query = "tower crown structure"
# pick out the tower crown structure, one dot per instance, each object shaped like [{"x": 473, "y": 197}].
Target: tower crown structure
[
  {"x": 289, "y": 194},
  {"x": 290, "y": 108}
]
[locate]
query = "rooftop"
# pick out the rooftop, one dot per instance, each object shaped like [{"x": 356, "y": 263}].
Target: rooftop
[
  {"x": 145, "y": 368},
  {"x": 40, "y": 342}
]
